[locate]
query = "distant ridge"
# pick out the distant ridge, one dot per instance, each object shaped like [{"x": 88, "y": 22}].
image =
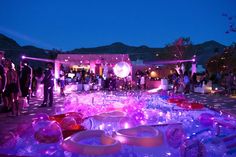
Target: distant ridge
[{"x": 203, "y": 51}]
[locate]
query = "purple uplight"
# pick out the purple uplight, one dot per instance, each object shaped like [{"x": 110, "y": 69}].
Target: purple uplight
[{"x": 23, "y": 57}]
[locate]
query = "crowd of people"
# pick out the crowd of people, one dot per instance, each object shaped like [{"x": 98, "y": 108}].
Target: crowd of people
[
  {"x": 21, "y": 84},
  {"x": 14, "y": 84},
  {"x": 185, "y": 82},
  {"x": 17, "y": 85},
  {"x": 88, "y": 77}
]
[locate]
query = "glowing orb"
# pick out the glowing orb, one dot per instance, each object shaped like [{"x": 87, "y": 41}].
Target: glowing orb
[
  {"x": 153, "y": 74},
  {"x": 122, "y": 69}
]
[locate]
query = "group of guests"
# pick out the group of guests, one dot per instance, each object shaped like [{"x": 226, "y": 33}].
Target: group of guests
[
  {"x": 181, "y": 82},
  {"x": 185, "y": 82},
  {"x": 16, "y": 85},
  {"x": 228, "y": 81}
]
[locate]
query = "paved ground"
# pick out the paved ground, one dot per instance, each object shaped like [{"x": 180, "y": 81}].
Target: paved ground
[
  {"x": 222, "y": 103},
  {"x": 24, "y": 120},
  {"x": 217, "y": 102}
]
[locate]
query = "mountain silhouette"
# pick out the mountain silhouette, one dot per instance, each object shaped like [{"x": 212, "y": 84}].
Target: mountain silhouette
[{"x": 204, "y": 51}]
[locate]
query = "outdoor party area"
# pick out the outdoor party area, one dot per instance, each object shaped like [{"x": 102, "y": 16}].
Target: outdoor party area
[
  {"x": 121, "y": 121},
  {"x": 118, "y": 78}
]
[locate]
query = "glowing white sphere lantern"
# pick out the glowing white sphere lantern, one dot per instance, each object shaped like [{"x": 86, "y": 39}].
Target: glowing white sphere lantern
[{"x": 122, "y": 69}]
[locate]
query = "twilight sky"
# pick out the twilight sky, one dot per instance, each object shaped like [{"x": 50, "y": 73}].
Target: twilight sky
[{"x": 89, "y": 23}]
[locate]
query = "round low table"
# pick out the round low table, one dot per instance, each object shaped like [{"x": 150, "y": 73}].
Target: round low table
[
  {"x": 108, "y": 144},
  {"x": 133, "y": 136}
]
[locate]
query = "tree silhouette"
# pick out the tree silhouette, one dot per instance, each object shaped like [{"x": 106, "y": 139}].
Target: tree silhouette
[{"x": 179, "y": 47}]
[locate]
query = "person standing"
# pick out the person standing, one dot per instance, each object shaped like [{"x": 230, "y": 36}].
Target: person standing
[
  {"x": 2, "y": 77},
  {"x": 12, "y": 88},
  {"x": 48, "y": 82},
  {"x": 175, "y": 78},
  {"x": 186, "y": 83},
  {"x": 62, "y": 81},
  {"x": 39, "y": 86},
  {"x": 25, "y": 79},
  {"x": 143, "y": 82}
]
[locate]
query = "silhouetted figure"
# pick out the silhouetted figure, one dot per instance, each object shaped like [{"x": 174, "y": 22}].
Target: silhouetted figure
[
  {"x": 25, "y": 79},
  {"x": 2, "y": 77},
  {"x": 186, "y": 83},
  {"x": 48, "y": 82},
  {"x": 62, "y": 81}
]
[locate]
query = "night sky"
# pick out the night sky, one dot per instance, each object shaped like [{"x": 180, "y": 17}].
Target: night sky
[{"x": 89, "y": 23}]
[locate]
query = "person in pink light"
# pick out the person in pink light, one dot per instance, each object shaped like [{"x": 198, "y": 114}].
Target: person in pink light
[
  {"x": 12, "y": 88},
  {"x": 39, "y": 87},
  {"x": 143, "y": 82},
  {"x": 62, "y": 80}
]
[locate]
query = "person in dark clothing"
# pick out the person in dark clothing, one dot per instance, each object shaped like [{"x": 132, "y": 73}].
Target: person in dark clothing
[
  {"x": 186, "y": 83},
  {"x": 2, "y": 76},
  {"x": 2, "y": 79},
  {"x": 48, "y": 82},
  {"x": 193, "y": 81},
  {"x": 25, "y": 79}
]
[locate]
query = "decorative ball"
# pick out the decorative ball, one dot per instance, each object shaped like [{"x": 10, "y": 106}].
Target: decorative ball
[
  {"x": 122, "y": 69},
  {"x": 47, "y": 132},
  {"x": 7, "y": 140},
  {"x": 206, "y": 119},
  {"x": 77, "y": 116},
  {"x": 68, "y": 123},
  {"x": 175, "y": 136}
]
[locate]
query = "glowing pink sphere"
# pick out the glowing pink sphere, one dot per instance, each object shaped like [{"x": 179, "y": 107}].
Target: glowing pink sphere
[{"x": 122, "y": 69}]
